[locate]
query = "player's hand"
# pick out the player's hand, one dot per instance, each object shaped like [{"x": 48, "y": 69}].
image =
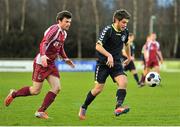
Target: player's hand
[
  {"x": 44, "y": 59},
  {"x": 69, "y": 62},
  {"x": 146, "y": 60},
  {"x": 126, "y": 62},
  {"x": 110, "y": 61},
  {"x": 161, "y": 61},
  {"x": 132, "y": 58}
]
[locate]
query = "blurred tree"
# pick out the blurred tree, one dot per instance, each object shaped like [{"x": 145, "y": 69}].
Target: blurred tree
[
  {"x": 135, "y": 17},
  {"x": 33, "y": 17},
  {"x": 96, "y": 15},
  {"x": 23, "y": 14},
  {"x": 176, "y": 28},
  {"x": 151, "y": 17},
  {"x": 78, "y": 17},
  {"x": 64, "y": 4},
  {"x": 2, "y": 19},
  {"x": 7, "y": 15}
]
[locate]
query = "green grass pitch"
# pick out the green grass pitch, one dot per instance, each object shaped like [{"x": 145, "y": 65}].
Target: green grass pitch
[{"x": 149, "y": 106}]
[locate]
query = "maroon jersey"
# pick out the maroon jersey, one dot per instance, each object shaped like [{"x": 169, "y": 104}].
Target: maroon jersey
[
  {"x": 152, "y": 49},
  {"x": 52, "y": 44}
]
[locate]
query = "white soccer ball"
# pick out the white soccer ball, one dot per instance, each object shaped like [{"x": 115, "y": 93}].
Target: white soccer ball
[{"x": 153, "y": 79}]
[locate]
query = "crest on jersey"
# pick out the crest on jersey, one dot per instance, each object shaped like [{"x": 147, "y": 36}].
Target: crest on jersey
[
  {"x": 57, "y": 44},
  {"x": 123, "y": 38},
  {"x": 39, "y": 77}
]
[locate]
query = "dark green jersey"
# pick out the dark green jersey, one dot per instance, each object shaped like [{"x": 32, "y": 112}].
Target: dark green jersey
[
  {"x": 112, "y": 41},
  {"x": 132, "y": 47}
]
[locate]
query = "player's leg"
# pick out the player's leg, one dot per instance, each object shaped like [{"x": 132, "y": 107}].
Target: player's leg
[
  {"x": 156, "y": 66},
  {"x": 51, "y": 95},
  {"x": 118, "y": 76},
  {"x": 121, "y": 94},
  {"x": 145, "y": 72},
  {"x": 24, "y": 91},
  {"x": 52, "y": 75},
  {"x": 135, "y": 75},
  {"x": 101, "y": 74},
  {"x": 157, "y": 69},
  {"x": 132, "y": 68},
  {"x": 89, "y": 98},
  {"x": 144, "y": 67},
  {"x": 92, "y": 94}
]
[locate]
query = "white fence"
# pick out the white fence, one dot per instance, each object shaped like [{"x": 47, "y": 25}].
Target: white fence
[
  {"x": 27, "y": 66},
  {"x": 16, "y": 65}
]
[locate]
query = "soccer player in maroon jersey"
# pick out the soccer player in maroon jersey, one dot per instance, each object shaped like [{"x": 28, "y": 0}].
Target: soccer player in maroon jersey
[
  {"x": 152, "y": 56},
  {"x": 51, "y": 47},
  {"x": 148, "y": 39}
]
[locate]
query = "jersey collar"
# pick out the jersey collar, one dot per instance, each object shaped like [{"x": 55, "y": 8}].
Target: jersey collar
[{"x": 115, "y": 28}]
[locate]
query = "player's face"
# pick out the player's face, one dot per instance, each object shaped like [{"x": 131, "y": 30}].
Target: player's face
[
  {"x": 153, "y": 36},
  {"x": 122, "y": 24},
  {"x": 148, "y": 39},
  {"x": 65, "y": 23},
  {"x": 131, "y": 38}
]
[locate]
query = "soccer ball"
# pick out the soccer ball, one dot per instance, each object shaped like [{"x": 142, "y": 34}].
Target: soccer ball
[{"x": 153, "y": 79}]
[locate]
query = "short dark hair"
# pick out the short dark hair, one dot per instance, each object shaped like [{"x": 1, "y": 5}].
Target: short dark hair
[
  {"x": 63, "y": 14},
  {"x": 131, "y": 34},
  {"x": 121, "y": 14}
]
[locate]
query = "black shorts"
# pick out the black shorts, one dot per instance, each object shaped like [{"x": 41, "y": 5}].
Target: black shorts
[
  {"x": 102, "y": 71},
  {"x": 130, "y": 66}
]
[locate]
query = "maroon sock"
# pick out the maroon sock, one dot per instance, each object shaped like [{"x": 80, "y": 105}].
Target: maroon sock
[
  {"x": 49, "y": 98},
  {"x": 21, "y": 92},
  {"x": 142, "y": 78}
]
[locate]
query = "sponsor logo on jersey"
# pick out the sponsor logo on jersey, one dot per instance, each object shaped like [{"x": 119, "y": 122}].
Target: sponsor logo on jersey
[
  {"x": 123, "y": 37},
  {"x": 118, "y": 34}
]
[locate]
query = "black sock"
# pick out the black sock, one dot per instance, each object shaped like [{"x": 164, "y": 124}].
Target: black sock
[
  {"x": 88, "y": 100},
  {"x": 136, "y": 78},
  {"x": 120, "y": 94}
]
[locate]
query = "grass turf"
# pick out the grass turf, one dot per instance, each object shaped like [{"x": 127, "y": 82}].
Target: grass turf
[{"x": 149, "y": 106}]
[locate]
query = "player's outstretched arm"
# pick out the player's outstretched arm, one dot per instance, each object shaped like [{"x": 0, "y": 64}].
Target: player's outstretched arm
[
  {"x": 128, "y": 54},
  {"x": 160, "y": 56},
  {"x": 69, "y": 62}
]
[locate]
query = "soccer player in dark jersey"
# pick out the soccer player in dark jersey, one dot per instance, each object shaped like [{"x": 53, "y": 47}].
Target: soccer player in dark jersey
[
  {"x": 109, "y": 52},
  {"x": 131, "y": 66},
  {"x": 51, "y": 47}
]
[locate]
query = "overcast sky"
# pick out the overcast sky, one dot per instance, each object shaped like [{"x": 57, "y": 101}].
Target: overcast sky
[{"x": 165, "y": 3}]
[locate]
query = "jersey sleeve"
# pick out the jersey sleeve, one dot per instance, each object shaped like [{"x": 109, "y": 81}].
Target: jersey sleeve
[
  {"x": 48, "y": 36},
  {"x": 62, "y": 52},
  {"x": 127, "y": 35},
  {"x": 104, "y": 35},
  {"x": 158, "y": 46}
]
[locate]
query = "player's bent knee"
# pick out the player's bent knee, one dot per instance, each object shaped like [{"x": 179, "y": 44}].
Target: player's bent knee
[
  {"x": 35, "y": 92},
  {"x": 97, "y": 90},
  {"x": 125, "y": 82},
  {"x": 56, "y": 89},
  {"x": 122, "y": 83}
]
